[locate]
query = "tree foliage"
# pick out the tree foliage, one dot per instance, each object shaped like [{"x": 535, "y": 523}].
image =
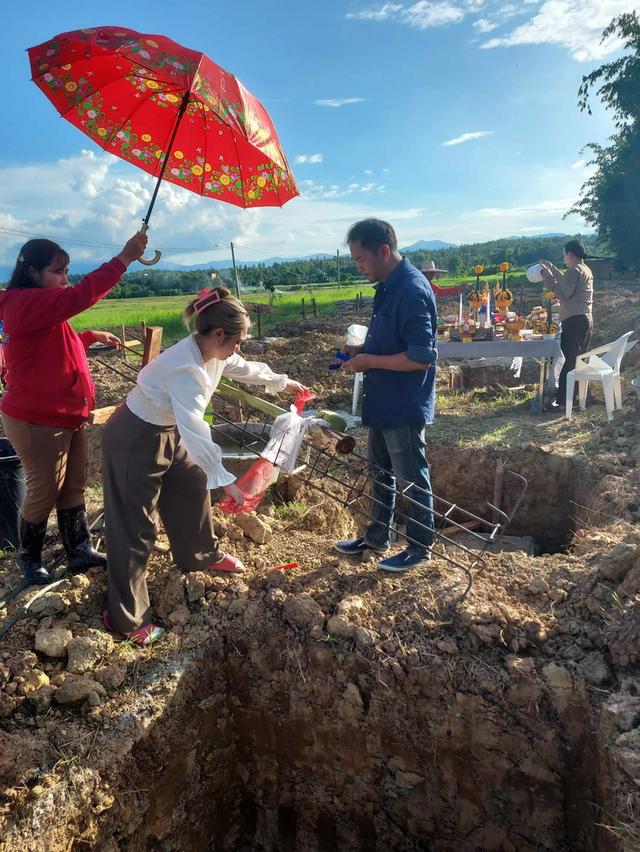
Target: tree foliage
[
  {"x": 610, "y": 198},
  {"x": 458, "y": 260}
]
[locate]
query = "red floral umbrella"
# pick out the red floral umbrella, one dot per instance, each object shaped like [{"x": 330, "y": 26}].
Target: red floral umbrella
[{"x": 168, "y": 110}]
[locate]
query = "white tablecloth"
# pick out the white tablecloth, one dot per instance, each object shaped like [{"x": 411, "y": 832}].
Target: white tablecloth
[
  {"x": 500, "y": 349},
  {"x": 537, "y": 350}
]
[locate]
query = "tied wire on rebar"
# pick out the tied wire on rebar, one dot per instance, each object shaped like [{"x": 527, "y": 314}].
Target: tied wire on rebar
[{"x": 349, "y": 480}]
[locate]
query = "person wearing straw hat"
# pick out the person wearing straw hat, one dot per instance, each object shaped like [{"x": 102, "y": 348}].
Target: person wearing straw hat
[{"x": 429, "y": 270}]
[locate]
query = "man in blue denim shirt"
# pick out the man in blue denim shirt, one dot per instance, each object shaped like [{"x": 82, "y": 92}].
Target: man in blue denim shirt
[{"x": 398, "y": 360}]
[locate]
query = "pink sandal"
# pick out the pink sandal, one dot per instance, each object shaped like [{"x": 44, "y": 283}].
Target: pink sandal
[
  {"x": 143, "y": 636},
  {"x": 229, "y": 564}
]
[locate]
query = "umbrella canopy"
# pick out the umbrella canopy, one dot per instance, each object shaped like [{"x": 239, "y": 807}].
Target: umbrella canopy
[{"x": 168, "y": 110}]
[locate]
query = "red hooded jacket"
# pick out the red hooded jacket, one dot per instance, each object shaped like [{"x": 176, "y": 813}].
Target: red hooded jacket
[{"x": 48, "y": 379}]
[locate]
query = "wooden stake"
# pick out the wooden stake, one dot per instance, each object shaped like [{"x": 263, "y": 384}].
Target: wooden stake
[
  {"x": 99, "y": 416},
  {"x": 152, "y": 343},
  {"x": 497, "y": 488}
]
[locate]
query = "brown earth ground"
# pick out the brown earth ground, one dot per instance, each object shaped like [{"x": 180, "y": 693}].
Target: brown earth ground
[{"x": 334, "y": 708}]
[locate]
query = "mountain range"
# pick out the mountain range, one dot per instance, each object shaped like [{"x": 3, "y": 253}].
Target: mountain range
[
  {"x": 82, "y": 267},
  {"x": 428, "y": 245}
]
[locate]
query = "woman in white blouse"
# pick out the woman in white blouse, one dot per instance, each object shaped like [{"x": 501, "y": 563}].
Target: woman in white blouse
[{"x": 159, "y": 457}]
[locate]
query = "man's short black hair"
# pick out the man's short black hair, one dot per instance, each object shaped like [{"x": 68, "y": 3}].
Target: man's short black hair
[{"x": 372, "y": 233}]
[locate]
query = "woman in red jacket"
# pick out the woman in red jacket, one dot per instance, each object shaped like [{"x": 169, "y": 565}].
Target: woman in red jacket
[{"x": 49, "y": 393}]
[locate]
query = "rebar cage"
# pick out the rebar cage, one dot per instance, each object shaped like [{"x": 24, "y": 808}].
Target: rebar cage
[{"x": 347, "y": 479}]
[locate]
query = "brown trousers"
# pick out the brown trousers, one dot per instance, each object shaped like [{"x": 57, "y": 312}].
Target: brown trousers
[
  {"x": 55, "y": 465},
  {"x": 146, "y": 471}
]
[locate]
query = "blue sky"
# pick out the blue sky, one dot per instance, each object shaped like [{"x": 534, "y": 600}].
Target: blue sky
[{"x": 454, "y": 119}]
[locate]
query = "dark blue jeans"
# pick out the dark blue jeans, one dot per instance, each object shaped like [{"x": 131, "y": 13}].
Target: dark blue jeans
[{"x": 400, "y": 453}]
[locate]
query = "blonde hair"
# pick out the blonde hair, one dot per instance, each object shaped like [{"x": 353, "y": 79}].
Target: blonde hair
[{"x": 228, "y": 313}]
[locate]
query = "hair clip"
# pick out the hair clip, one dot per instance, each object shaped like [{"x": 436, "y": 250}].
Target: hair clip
[
  {"x": 20, "y": 258},
  {"x": 206, "y": 298}
]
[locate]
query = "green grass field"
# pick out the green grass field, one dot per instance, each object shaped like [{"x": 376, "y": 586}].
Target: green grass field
[{"x": 166, "y": 311}]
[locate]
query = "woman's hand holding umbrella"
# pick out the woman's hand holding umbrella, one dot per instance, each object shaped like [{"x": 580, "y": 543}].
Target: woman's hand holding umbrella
[{"x": 134, "y": 248}]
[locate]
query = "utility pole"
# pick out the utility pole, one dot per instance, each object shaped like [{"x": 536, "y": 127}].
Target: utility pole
[
  {"x": 338, "y": 264},
  {"x": 235, "y": 271}
]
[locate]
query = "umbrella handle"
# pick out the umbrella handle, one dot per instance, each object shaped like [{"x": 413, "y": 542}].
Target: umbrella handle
[{"x": 149, "y": 261}]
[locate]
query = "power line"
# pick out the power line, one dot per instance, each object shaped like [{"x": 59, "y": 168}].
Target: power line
[
  {"x": 242, "y": 249},
  {"x": 89, "y": 244}
]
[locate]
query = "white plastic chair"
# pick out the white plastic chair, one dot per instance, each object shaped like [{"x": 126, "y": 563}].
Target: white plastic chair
[{"x": 599, "y": 365}]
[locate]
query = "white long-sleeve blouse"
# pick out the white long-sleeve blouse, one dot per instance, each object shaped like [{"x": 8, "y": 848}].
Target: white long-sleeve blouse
[{"x": 175, "y": 390}]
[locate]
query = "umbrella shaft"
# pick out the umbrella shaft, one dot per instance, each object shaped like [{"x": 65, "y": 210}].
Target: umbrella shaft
[{"x": 183, "y": 106}]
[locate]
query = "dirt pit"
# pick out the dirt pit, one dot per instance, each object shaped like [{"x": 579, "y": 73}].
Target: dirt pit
[
  {"x": 278, "y": 734},
  {"x": 270, "y": 747},
  {"x": 556, "y": 490}
]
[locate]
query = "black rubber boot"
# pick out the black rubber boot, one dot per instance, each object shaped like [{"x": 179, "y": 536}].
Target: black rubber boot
[
  {"x": 74, "y": 531},
  {"x": 30, "y": 556}
]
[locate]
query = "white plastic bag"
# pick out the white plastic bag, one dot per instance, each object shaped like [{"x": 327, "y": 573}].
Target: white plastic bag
[
  {"x": 287, "y": 434},
  {"x": 534, "y": 274},
  {"x": 356, "y": 334}
]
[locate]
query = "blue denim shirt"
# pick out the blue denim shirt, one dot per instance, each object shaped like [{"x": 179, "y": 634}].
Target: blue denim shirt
[{"x": 404, "y": 320}]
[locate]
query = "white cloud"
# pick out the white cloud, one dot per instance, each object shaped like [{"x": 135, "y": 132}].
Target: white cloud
[
  {"x": 338, "y": 102},
  {"x": 95, "y": 222},
  {"x": 408, "y": 213},
  {"x": 425, "y": 14},
  {"x": 45, "y": 199},
  {"x": 420, "y": 15},
  {"x": 380, "y": 14},
  {"x": 467, "y": 137},
  {"x": 496, "y": 16},
  {"x": 556, "y": 206},
  {"x": 312, "y": 190},
  {"x": 368, "y": 172},
  {"x": 579, "y": 164},
  {"x": 483, "y": 25},
  {"x": 309, "y": 158},
  {"x": 574, "y": 24}
]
